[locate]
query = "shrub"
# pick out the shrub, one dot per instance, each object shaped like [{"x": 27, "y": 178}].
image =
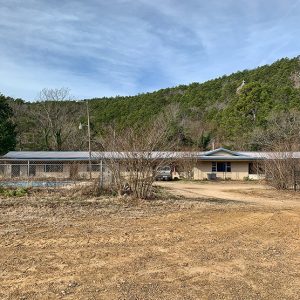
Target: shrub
[{"x": 19, "y": 192}]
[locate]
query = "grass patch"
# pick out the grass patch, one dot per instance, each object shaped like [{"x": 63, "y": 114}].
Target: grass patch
[{"x": 9, "y": 192}]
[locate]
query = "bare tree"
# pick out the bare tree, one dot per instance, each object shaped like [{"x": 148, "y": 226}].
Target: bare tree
[
  {"x": 283, "y": 131},
  {"x": 133, "y": 155},
  {"x": 187, "y": 128},
  {"x": 58, "y": 119},
  {"x": 281, "y": 169},
  {"x": 281, "y": 141}
]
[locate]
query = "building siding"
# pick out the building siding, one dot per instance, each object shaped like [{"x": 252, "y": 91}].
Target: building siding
[{"x": 239, "y": 170}]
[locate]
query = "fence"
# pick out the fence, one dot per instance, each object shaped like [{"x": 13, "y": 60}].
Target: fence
[{"x": 53, "y": 171}]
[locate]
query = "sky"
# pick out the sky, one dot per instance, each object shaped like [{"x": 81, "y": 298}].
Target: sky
[{"x": 124, "y": 47}]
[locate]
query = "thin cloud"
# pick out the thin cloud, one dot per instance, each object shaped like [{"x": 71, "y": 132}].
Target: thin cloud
[{"x": 123, "y": 47}]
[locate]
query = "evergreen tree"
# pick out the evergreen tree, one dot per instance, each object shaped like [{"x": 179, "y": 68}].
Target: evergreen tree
[
  {"x": 229, "y": 108},
  {"x": 7, "y": 128}
]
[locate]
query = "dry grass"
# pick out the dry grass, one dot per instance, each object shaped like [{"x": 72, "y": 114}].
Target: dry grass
[{"x": 103, "y": 248}]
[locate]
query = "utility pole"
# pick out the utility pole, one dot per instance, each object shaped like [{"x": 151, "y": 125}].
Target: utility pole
[{"x": 89, "y": 136}]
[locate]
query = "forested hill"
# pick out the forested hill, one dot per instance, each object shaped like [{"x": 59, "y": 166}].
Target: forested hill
[{"x": 228, "y": 110}]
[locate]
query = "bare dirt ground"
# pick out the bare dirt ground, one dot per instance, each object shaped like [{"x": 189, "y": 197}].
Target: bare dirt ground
[
  {"x": 250, "y": 192},
  {"x": 225, "y": 241}
]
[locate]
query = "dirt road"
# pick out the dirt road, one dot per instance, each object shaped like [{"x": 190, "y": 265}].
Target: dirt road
[
  {"x": 200, "y": 248},
  {"x": 257, "y": 194}
]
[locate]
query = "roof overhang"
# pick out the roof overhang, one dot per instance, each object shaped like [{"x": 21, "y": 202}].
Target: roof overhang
[
  {"x": 220, "y": 154},
  {"x": 229, "y": 158}
]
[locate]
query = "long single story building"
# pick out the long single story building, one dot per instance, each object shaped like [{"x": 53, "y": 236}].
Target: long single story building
[{"x": 220, "y": 163}]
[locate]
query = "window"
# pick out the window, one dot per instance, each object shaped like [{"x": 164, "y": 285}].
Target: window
[
  {"x": 256, "y": 168},
  {"x": 54, "y": 168},
  {"x": 228, "y": 167},
  {"x": 220, "y": 166},
  {"x": 95, "y": 167},
  {"x": 2, "y": 169},
  {"x": 214, "y": 166},
  {"x": 165, "y": 168}
]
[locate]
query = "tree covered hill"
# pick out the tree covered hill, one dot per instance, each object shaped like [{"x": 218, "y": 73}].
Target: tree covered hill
[
  {"x": 228, "y": 110},
  {"x": 215, "y": 109}
]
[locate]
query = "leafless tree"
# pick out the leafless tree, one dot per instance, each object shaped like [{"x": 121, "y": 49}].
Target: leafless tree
[
  {"x": 283, "y": 131},
  {"x": 281, "y": 141},
  {"x": 133, "y": 155},
  {"x": 188, "y": 128},
  {"x": 58, "y": 120},
  {"x": 281, "y": 169}
]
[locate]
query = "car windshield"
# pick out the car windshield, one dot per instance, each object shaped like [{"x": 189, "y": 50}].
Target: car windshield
[{"x": 165, "y": 168}]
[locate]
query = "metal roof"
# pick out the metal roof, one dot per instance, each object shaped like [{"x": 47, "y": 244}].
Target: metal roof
[
  {"x": 84, "y": 155},
  {"x": 259, "y": 154},
  {"x": 229, "y": 152},
  {"x": 47, "y": 155}
]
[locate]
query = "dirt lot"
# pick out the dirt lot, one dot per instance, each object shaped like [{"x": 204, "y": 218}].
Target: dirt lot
[{"x": 226, "y": 241}]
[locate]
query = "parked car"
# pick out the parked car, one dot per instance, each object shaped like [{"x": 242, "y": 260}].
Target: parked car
[{"x": 163, "y": 173}]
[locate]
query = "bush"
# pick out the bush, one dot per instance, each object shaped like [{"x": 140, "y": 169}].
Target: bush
[{"x": 19, "y": 192}]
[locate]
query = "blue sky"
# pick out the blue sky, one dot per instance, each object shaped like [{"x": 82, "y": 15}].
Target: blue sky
[{"x": 124, "y": 47}]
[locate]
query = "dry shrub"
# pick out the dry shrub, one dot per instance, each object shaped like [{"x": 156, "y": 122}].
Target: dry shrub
[
  {"x": 282, "y": 140},
  {"x": 90, "y": 189},
  {"x": 280, "y": 170},
  {"x": 133, "y": 154}
]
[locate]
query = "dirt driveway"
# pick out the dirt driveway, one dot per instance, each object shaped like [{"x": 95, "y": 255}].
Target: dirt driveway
[
  {"x": 254, "y": 193},
  {"x": 202, "y": 247}
]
